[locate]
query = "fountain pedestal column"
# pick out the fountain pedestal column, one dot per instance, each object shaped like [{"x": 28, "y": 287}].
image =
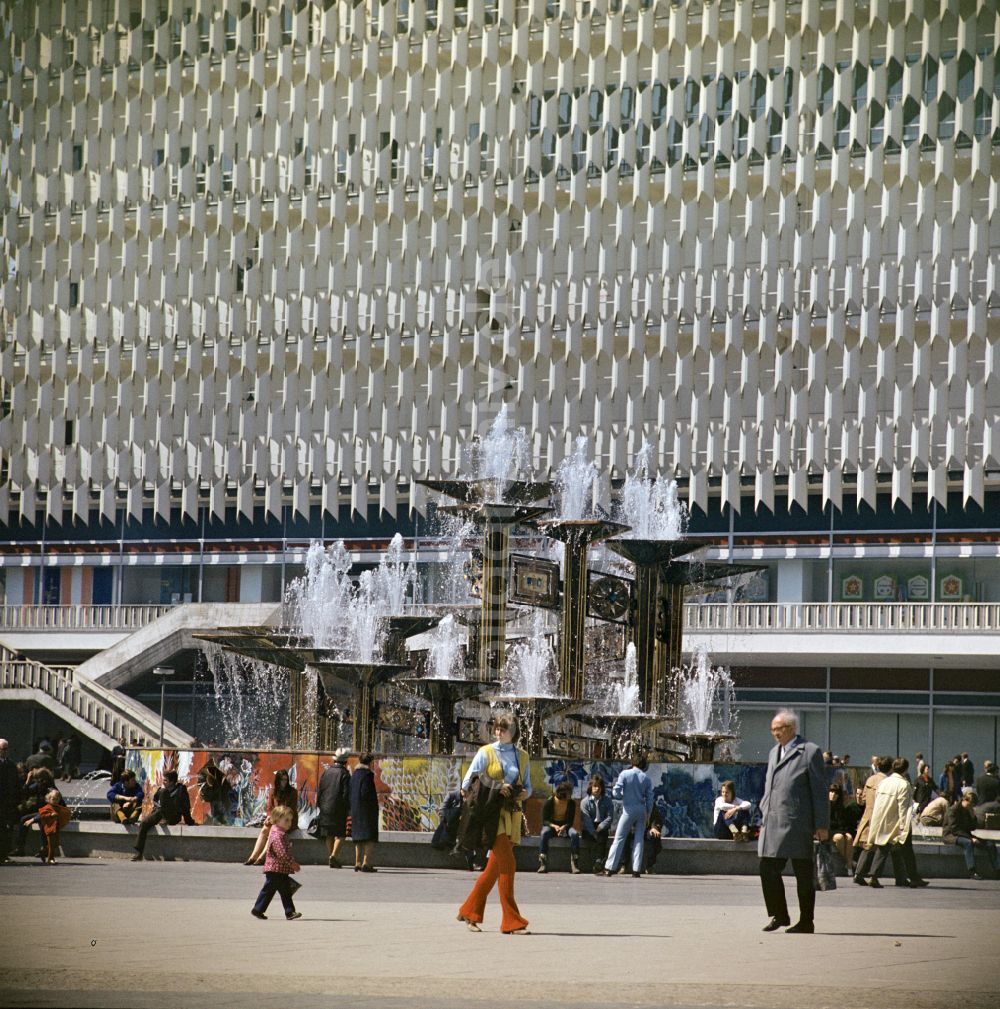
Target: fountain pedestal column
[
  {"x": 493, "y": 620},
  {"x": 496, "y": 520},
  {"x": 362, "y": 680},
  {"x": 657, "y": 620},
  {"x": 311, "y": 723},
  {"x": 576, "y": 537}
]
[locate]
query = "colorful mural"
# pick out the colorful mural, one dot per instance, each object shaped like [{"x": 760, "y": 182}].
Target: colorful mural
[{"x": 412, "y": 789}]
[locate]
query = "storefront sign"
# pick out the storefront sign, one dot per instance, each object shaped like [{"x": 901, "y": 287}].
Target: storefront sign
[
  {"x": 918, "y": 588},
  {"x": 885, "y": 588},
  {"x": 951, "y": 588},
  {"x": 852, "y": 588}
]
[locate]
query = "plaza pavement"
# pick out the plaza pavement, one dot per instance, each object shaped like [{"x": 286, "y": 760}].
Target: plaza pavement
[{"x": 110, "y": 933}]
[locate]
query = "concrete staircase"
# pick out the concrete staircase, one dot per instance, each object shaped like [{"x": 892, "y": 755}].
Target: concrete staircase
[
  {"x": 101, "y": 714},
  {"x": 158, "y": 641}
]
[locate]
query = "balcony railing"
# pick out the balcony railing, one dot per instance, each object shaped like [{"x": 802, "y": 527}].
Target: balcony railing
[
  {"x": 78, "y": 618},
  {"x": 966, "y": 618}
]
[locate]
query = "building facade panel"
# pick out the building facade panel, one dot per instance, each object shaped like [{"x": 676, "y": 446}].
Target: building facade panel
[{"x": 297, "y": 252}]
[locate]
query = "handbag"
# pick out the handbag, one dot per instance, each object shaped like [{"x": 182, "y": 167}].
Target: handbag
[
  {"x": 823, "y": 874},
  {"x": 313, "y": 829}
]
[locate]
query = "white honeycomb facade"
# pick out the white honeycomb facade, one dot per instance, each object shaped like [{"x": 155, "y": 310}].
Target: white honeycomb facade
[{"x": 257, "y": 252}]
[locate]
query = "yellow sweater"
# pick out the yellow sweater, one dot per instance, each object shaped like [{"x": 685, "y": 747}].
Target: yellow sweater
[{"x": 510, "y": 819}]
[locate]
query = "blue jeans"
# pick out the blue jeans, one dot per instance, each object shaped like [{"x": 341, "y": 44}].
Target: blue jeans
[
  {"x": 630, "y": 818},
  {"x": 549, "y": 832},
  {"x": 276, "y": 882},
  {"x": 969, "y": 851},
  {"x": 722, "y": 831}
]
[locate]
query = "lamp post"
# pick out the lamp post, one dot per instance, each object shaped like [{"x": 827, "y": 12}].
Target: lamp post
[{"x": 163, "y": 672}]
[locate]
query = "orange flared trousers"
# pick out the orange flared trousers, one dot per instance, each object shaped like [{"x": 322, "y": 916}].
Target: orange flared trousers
[{"x": 500, "y": 865}]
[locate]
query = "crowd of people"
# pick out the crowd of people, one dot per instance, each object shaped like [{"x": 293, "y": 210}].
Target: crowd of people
[
  {"x": 29, "y": 797},
  {"x": 805, "y": 802}
]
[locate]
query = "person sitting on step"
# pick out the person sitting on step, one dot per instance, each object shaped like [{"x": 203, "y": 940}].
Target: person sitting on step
[
  {"x": 596, "y": 815},
  {"x": 126, "y": 796},
  {"x": 732, "y": 815},
  {"x": 558, "y": 815}
]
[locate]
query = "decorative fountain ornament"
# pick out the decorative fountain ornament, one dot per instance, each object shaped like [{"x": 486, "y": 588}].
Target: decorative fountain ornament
[{"x": 708, "y": 706}]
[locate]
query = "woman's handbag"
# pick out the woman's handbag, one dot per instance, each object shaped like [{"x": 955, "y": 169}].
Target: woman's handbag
[{"x": 823, "y": 875}]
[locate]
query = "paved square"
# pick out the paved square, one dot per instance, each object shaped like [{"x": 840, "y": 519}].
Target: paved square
[{"x": 153, "y": 934}]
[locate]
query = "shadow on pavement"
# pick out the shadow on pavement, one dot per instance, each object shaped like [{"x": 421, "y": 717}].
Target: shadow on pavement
[{"x": 891, "y": 935}]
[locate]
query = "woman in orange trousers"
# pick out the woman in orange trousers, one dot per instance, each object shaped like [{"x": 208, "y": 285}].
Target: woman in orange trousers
[{"x": 500, "y": 761}]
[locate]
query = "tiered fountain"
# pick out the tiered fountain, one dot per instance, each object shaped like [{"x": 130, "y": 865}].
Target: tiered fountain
[
  {"x": 577, "y": 528},
  {"x": 495, "y": 499},
  {"x": 345, "y": 640},
  {"x": 349, "y": 637}
]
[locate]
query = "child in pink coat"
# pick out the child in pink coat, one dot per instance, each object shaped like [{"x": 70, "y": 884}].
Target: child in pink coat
[{"x": 279, "y": 865}]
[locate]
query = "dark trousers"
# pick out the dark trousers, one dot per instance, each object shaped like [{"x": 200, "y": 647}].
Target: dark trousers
[
  {"x": 146, "y": 824},
  {"x": 23, "y": 829},
  {"x": 739, "y": 821},
  {"x": 276, "y": 883},
  {"x": 774, "y": 888},
  {"x": 7, "y": 821},
  {"x": 600, "y": 839},
  {"x": 904, "y": 861}
]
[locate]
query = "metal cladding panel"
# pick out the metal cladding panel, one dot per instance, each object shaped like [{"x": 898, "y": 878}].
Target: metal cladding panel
[{"x": 282, "y": 252}]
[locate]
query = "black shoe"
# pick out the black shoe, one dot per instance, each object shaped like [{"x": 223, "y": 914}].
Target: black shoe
[
  {"x": 637, "y": 875},
  {"x": 801, "y": 928},
  {"x": 137, "y": 857},
  {"x": 258, "y": 914},
  {"x": 917, "y": 883},
  {"x": 775, "y": 923},
  {"x": 974, "y": 875},
  {"x": 368, "y": 868},
  {"x": 874, "y": 884},
  {"x": 294, "y": 915},
  {"x": 860, "y": 880}
]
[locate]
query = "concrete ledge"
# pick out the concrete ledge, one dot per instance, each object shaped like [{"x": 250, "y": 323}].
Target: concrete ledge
[{"x": 412, "y": 849}]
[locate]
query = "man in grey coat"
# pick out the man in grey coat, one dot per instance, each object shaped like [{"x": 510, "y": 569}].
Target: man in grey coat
[{"x": 795, "y": 808}]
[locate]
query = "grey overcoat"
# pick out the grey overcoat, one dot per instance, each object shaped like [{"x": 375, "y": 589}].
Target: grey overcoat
[{"x": 796, "y": 801}]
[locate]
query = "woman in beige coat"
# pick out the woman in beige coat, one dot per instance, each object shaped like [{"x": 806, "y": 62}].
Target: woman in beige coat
[{"x": 892, "y": 824}]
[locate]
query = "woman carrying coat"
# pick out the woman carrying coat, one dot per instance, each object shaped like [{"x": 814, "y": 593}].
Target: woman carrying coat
[
  {"x": 364, "y": 814},
  {"x": 502, "y": 761}
]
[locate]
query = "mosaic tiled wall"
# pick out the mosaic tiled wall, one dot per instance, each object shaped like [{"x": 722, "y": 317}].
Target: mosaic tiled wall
[
  {"x": 262, "y": 253},
  {"x": 411, "y": 789}
]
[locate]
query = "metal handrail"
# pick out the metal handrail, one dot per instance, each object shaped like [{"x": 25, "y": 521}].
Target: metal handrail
[
  {"x": 966, "y": 618},
  {"x": 79, "y": 618}
]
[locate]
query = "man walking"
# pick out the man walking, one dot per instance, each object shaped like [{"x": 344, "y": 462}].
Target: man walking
[{"x": 795, "y": 808}]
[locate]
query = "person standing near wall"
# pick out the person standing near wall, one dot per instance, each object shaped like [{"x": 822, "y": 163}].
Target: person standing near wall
[
  {"x": 795, "y": 809},
  {"x": 333, "y": 800},
  {"x": 635, "y": 792},
  {"x": 364, "y": 814},
  {"x": 10, "y": 796}
]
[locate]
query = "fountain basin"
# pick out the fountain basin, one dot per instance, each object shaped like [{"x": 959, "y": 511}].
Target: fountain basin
[{"x": 480, "y": 491}]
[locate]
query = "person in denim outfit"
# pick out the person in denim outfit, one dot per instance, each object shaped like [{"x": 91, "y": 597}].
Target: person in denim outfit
[{"x": 635, "y": 792}]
